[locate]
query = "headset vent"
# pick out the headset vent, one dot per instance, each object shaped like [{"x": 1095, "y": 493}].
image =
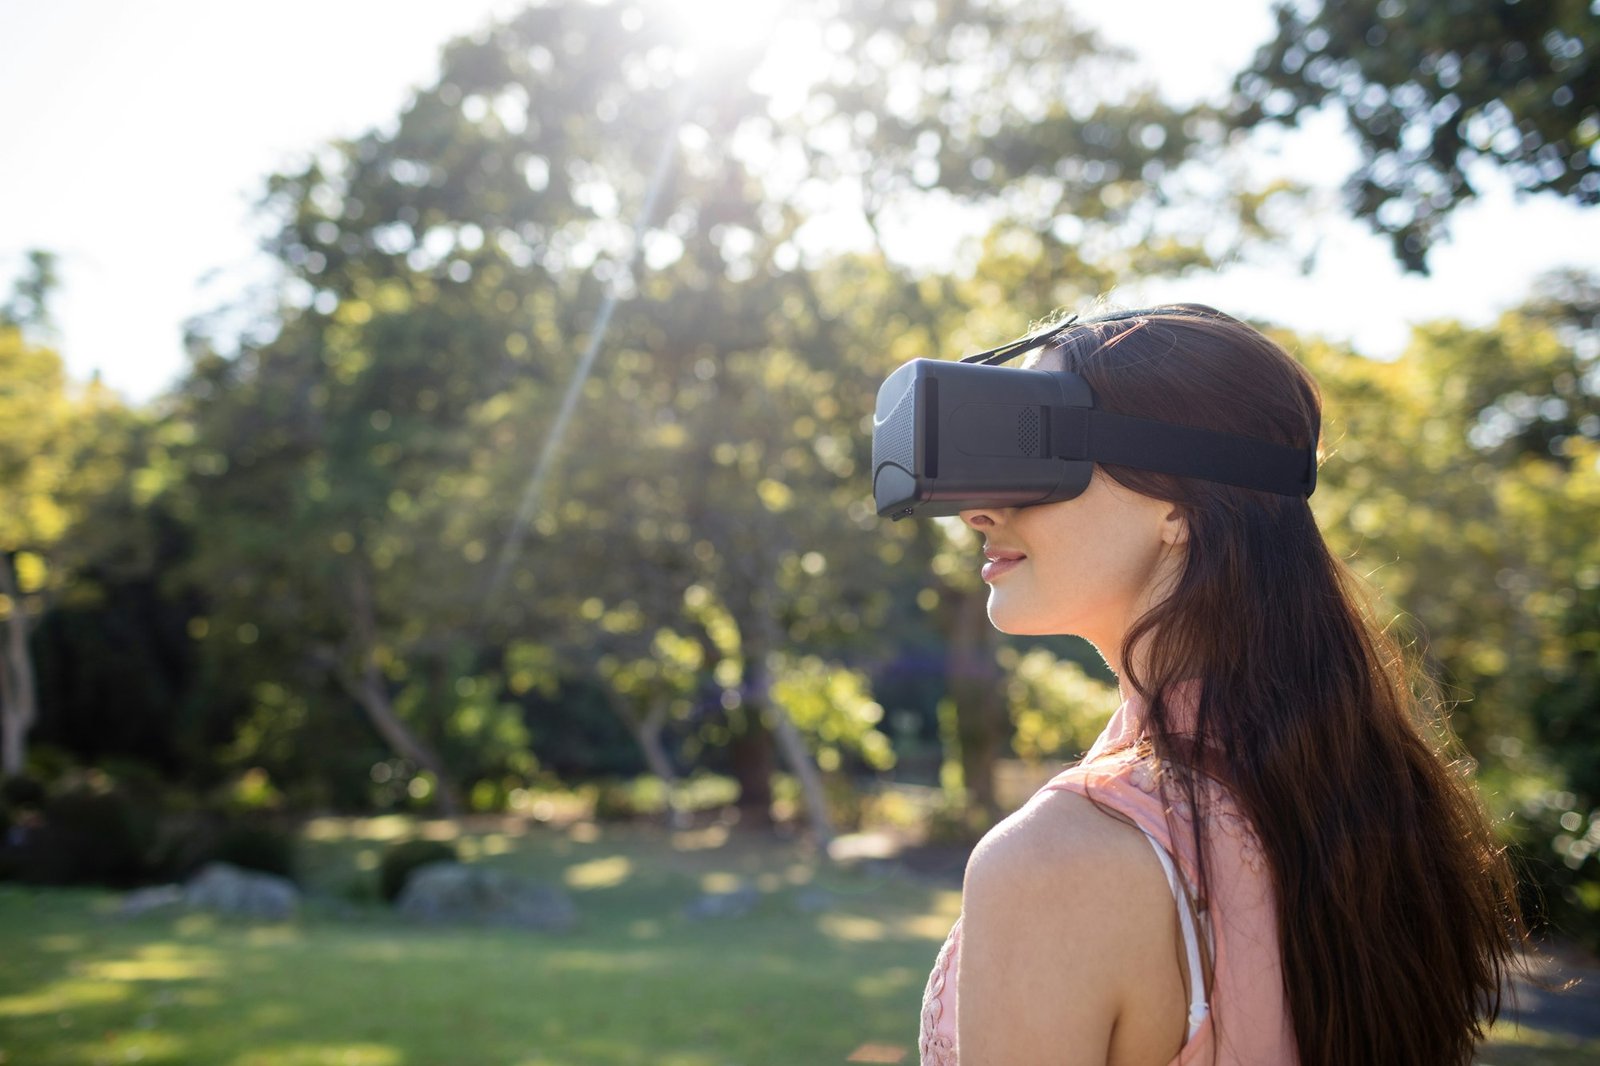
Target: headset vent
[{"x": 1028, "y": 432}]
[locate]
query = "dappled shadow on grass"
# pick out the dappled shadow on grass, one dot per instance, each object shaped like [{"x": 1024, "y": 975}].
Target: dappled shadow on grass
[
  {"x": 831, "y": 959},
  {"x": 636, "y": 982}
]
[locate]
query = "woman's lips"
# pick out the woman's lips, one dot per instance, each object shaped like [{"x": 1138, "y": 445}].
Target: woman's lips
[{"x": 1000, "y": 562}]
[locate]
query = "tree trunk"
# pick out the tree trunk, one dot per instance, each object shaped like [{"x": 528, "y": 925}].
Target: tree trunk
[
  {"x": 648, "y": 733},
  {"x": 978, "y": 689},
  {"x": 371, "y": 691},
  {"x": 373, "y": 694},
  {"x": 758, "y": 639},
  {"x": 751, "y": 754},
  {"x": 793, "y": 747},
  {"x": 750, "y": 749},
  {"x": 18, "y": 695}
]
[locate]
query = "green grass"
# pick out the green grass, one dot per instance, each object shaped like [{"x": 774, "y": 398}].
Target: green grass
[
  {"x": 1510, "y": 1045},
  {"x": 346, "y": 984},
  {"x": 635, "y": 983}
]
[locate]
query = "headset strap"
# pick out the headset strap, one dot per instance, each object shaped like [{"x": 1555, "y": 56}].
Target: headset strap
[
  {"x": 1011, "y": 349},
  {"x": 1183, "y": 451}
]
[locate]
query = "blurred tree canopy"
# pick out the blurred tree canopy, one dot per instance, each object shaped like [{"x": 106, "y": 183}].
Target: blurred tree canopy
[
  {"x": 440, "y": 276},
  {"x": 1429, "y": 90}
]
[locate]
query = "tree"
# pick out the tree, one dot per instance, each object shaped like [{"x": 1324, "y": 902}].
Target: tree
[
  {"x": 1461, "y": 481},
  {"x": 29, "y": 305},
  {"x": 1431, "y": 89},
  {"x": 60, "y": 447},
  {"x": 32, "y": 417}
]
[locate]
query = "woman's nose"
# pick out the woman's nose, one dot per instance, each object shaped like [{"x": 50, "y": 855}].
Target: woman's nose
[{"x": 982, "y": 518}]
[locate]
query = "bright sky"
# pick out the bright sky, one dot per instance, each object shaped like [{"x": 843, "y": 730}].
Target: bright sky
[{"x": 137, "y": 136}]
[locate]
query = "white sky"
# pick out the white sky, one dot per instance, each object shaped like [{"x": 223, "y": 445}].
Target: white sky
[{"x": 136, "y": 137}]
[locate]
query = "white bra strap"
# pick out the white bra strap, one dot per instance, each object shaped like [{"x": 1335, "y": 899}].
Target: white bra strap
[{"x": 1191, "y": 943}]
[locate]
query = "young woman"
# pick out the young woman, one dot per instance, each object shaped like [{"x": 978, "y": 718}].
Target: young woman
[{"x": 1340, "y": 898}]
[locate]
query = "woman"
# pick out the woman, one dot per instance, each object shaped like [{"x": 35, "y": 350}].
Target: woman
[{"x": 1340, "y": 899}]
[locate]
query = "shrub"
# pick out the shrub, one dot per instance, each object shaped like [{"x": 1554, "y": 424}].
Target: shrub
[
  {"x": 1554, "y": 842},
  {"x": 185, "y": 841},
  {"x": 621, "y": 801},
  {"x": 90, "y": 831},
  {"x": 951, "y": 821},
  {"x": 257, "y": 846},
  {"x": 48, "y": 764},
  {"x": 24, "y": 790},
  {"x": 400, "y": 860},
  {"x": 7, "y": 820},
  {"x": 845, "y": 802}
]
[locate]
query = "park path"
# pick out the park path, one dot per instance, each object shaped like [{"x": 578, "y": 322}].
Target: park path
[{"x": 1574, "y": 1012}]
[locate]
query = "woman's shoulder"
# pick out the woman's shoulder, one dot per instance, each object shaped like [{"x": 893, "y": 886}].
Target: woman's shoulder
[
  {"x": 1060, "y": 897},
  {"x": 1062, "y": 835}
]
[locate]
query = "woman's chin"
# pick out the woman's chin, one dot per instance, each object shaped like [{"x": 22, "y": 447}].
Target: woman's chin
[{"x": 1017, "y": 623}]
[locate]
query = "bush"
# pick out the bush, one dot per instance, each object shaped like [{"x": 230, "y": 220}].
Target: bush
[
  {"x": 620, "y": 801},
  {"x": 952, "y": 821},
  {"x": 1553, "y": 843},
  {"x": 24, "y": 790},
  {"x": 90, "y": 831},
  {"x": 647, "y": 796},
  {"x": 400, "y": 860},
  {"x": 846, "y": 805},
  {"x": 256, "y": 846},
  {"x": 185, "y": 841}
]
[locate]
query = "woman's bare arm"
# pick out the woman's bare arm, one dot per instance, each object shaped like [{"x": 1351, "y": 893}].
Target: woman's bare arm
[{"x": 1066, "y": 924}]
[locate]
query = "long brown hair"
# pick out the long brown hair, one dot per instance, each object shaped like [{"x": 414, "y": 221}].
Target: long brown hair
[{"x": 1397, "y": 912}]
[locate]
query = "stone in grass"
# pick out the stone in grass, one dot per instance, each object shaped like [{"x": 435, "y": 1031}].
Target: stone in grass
[
  {"x": 227, "y": 889},
  {"x": 735, "y": 904},
  {"x": 155, "y": 898},
  {"x": 814, "y": 900},
  {"x": 452, "y": 892}
]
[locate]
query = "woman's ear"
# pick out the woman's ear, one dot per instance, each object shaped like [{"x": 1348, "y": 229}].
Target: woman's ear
[{"x": 1175, "y": 527}]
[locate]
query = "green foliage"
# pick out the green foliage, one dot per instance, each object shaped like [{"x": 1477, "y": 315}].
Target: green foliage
[
  {"x": 954, "y": 821},
  {"x": 29, "y": 305},
  {"x": 1555, "y": 847},
  {"x": 833, "y": 704},
  {"x": 26, "y": 790},
  {"x": 63, "y": 451},
  {"x": 90, "y": 830},
  {"x": 258, "y": 846},
  {"x": 401, "y": 860},
  {"x": 1462, "y": 480},
  {"x": 1057, "y": 708},
  {"x": 617, "y": 801},
  {"x": 360, "y": 463},
  {"x": 1430, "y": 90},
  {"x": 116, "y": 673}
]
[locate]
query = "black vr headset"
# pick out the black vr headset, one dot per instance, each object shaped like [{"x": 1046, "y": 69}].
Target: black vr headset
[{"x": 950, "y": 437}]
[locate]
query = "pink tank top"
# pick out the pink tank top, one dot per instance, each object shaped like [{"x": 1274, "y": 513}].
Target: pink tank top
[{"x": 1246, "y": 1003}]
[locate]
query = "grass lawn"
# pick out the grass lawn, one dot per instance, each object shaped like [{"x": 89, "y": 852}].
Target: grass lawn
[{"x": 635, "y": 982}]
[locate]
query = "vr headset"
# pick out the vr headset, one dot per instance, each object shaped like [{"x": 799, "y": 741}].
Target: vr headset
[{"x": 950, "y": 437}]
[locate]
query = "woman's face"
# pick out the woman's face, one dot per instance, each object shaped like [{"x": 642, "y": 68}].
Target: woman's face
[{"x": 1088, "y": 566}]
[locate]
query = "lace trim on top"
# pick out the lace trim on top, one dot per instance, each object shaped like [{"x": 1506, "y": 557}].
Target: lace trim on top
[{"x": 936, "y": 1048}]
